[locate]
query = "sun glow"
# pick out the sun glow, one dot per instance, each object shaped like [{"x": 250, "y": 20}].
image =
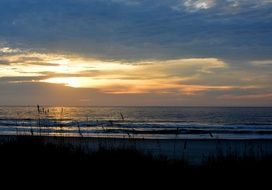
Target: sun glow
[
  {"x": 115, "y": 77},
  {"x": 95, "y": 82},
  {"x": 72, "y": 82}
]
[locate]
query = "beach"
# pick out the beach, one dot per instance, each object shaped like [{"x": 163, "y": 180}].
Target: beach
[
  {"x": 194, "y": 151},
  {"x": 194, "y": 134}
]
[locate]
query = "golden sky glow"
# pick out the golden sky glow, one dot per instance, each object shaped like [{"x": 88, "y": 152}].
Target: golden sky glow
[
  {"x": 134, "y": 52},
  {"x": 117, "y": 77},
  {"x": 188, "y": 76}
]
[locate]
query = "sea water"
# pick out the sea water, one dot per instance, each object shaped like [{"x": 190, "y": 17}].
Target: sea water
[{"x": 139, "y": 122}]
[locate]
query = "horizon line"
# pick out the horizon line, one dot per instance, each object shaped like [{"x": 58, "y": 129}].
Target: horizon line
[{"x": 219, "y": 106}]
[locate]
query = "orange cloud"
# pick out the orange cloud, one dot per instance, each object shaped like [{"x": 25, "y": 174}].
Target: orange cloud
[
  {"x": 118, "y": 77},
  {"x": 247, "y": 96}
]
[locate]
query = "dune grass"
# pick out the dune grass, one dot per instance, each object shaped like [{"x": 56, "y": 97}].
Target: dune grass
[
  {"x": 27, "y": 151},
  {"x": 30, "y": 152},
  {"x": 31, "y": 158}
]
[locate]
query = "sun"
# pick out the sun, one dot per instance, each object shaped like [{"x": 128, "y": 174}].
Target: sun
[{"x": 67, "y": 81}]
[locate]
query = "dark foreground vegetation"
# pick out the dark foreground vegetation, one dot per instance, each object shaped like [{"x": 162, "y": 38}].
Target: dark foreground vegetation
[{"x": 29, "y": 156}]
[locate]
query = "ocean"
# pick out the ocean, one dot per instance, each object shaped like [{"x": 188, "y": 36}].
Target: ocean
[{"x": 139, "y": 122}]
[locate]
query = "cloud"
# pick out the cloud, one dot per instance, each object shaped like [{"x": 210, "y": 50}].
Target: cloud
[
  {"x": 58, "y": 95},
  {"x": 8, "y": 50},
  {"x": 175, "y": 49},
  {"x": 262, "y": 62},
  {"x": 139, "y": 77},
  {"x": 194, "y": 5},
  {"x": 184, "y": 76},
  {"x": 248, "y": 96},
  {"x": 150, "y": 30},
  {"x": 227, "y": 6},
  {"x": 110, "y": 76}
]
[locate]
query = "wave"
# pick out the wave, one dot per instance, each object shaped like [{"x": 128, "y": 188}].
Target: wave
[{"x": 137, "y": 129}]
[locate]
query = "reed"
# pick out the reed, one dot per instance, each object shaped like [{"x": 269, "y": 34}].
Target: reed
[
  {"x": 79, "y": 130},
  {"x": 122, "y": 117}
]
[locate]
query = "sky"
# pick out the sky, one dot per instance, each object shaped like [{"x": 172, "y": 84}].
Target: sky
[{"x": 136, "y": 52}]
